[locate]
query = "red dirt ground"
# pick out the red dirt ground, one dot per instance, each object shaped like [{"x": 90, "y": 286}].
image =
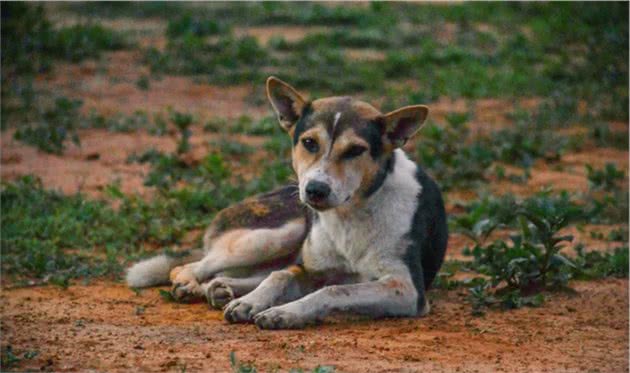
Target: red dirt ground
[{"x": 106, "y": 326}]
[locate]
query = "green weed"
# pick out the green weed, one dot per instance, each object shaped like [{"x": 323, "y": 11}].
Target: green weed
[
  {"x": 606, "y": 178},
  {"x": 188, "y": 24},
  {"x": 10, "y": 359},
  {"x": 182, "y": 122},
  {"x": 595, "y": 264},
  {"x": 54, "y": 126},
  {"x": 531, "y": 261}
]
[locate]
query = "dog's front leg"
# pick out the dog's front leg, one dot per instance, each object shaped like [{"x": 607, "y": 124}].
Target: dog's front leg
[
  {"x": 389, "y": 296},
  {"x": 278, "y": 288}
]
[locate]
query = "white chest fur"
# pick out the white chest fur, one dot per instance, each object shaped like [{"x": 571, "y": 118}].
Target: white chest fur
[{"x": 373, "y": 237}]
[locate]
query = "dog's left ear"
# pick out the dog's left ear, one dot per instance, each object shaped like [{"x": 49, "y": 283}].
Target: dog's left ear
[
  {"x": 286, "y": 101},
  {"x": 402, "y": 124}
]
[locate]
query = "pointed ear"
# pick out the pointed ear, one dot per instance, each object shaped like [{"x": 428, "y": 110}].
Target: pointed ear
[
  {"x": 286, "y": 102},
  {"x": 402, "y": 124}
]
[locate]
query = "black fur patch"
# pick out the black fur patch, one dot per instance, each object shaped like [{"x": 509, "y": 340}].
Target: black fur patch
[
  {"x": 372, "y": 132},
  {"x": 302, "y": 124},
  {"x": 379, "y": 179},
  {"x": 429, "y": 236}
]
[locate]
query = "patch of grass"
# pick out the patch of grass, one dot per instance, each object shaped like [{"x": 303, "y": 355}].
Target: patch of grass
[
  {"x": 609, "y": 208},
  {"x": 232, "y": 148},
  {"x": 606, "y": 178},
  {"x": 50, "y": 131},
  {"x": 619, "y": 234},
  {"x": 182, "y": 122},
  {"x": 531, "y": 261},
  {"x": 523, "y": 144},
  {"x": 445, "y": 153},
  {"x": 30, "y": 42},
  {"x": 55, "y": 238},
  {"x": 484, "y": 216},
  {"x": 605, "y": 137},
  {"x": 553, "y": 60},
  {"x": 79, "y": 42},
  {"x": 595, "y": 264},
  {"x": 10, "y": 359},
  {"x": 31, "y": 45},
  {"x": 143, "y": 83},
  {"x": 189, "y": 24},
  {"x": 228, "y": 60}
]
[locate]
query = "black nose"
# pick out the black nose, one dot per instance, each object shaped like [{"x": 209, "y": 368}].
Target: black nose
[{"x": 316, "y": 190}]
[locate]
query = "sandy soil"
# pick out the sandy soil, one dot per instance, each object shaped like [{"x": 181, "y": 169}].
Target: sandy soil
[{"x": 107, "y": 327}]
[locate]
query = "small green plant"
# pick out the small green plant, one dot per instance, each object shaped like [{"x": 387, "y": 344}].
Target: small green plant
[
  {"x": 484, "y": 216},
  {"x": 188, "y": 24},
  {"x": 215, "y": 125},
  {"x": 166, "y": 296},
  {"x": 606, "y": 178},
  {"x": 596, "y": 264},
  {"x": 55, "y": 125},
  {"x": 143, "y": 82},
  {"x": 10, "y": 359},
  {"x": 532, "y": 261},
  {"x": 182, "y": 122}
]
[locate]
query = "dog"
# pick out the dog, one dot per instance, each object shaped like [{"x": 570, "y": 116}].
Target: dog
[{"x": 363, "y": 231}]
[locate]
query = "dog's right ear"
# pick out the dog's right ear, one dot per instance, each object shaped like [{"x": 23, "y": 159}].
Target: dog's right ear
[{"x": 286, "y": 102}]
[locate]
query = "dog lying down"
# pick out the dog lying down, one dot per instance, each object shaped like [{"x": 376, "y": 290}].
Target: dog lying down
[{"x": 364, "y": 230}]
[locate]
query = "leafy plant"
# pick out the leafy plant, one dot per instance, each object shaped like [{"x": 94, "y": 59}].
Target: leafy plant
[
  {"x": 182, "y": 122},
  {"x": 55, "y": 125},
  {"x": 596, "y": 264},
  {"x": 606, "y": 178},
  {"x": 532, "y": 261},
  {"x": 189, "y": 24},
  {"x": 484, "y": 216},
  {"x": 10, "y": 359}
]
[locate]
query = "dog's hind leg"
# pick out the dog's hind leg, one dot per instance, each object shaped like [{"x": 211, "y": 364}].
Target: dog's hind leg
[{"x": 239, "y": 249}]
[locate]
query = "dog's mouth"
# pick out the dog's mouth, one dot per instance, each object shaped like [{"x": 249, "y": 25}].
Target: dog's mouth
[
  {"x": 324, "y": 205},
  {"x": 319, "y": 205}
]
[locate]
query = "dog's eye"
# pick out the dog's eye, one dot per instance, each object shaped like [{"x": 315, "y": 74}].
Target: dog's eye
[
  {"x": 353, "y": 152},
  {"x": 310, "y": 145}
]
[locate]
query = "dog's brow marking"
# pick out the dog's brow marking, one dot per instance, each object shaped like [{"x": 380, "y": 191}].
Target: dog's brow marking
[
  {"x": 334, "y": 131},
  {"x": 337, "y": 116}
]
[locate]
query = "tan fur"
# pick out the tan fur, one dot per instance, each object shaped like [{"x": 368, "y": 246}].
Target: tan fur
[
  {"x": 366, "y": 110},
  {"x": 303, "y": 159}
]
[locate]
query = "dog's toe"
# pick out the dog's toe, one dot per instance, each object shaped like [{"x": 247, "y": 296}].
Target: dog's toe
[
  {"x": 185, "y": 292},
  {"x": 276, "y": 318},
  {"x": 238, "y": 312},
  {"x": 219, "y": 294}
]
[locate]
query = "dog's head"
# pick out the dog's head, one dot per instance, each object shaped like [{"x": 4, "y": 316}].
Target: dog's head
[{"x": 341, "y": 146}]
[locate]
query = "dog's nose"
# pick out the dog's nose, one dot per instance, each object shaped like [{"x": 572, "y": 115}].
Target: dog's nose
[{"x": 317, "y": 191}]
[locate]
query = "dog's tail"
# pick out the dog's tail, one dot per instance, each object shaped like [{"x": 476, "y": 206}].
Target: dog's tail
[{"x": 155, "y": 271}]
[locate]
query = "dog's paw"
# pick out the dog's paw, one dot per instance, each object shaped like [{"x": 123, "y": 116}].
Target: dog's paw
[
  {"x": 219, "y": 293},
  {"x": 241, "y": 311},
  {"x": 279, "y": 318},
  {"x": 185, "y": 286}
]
